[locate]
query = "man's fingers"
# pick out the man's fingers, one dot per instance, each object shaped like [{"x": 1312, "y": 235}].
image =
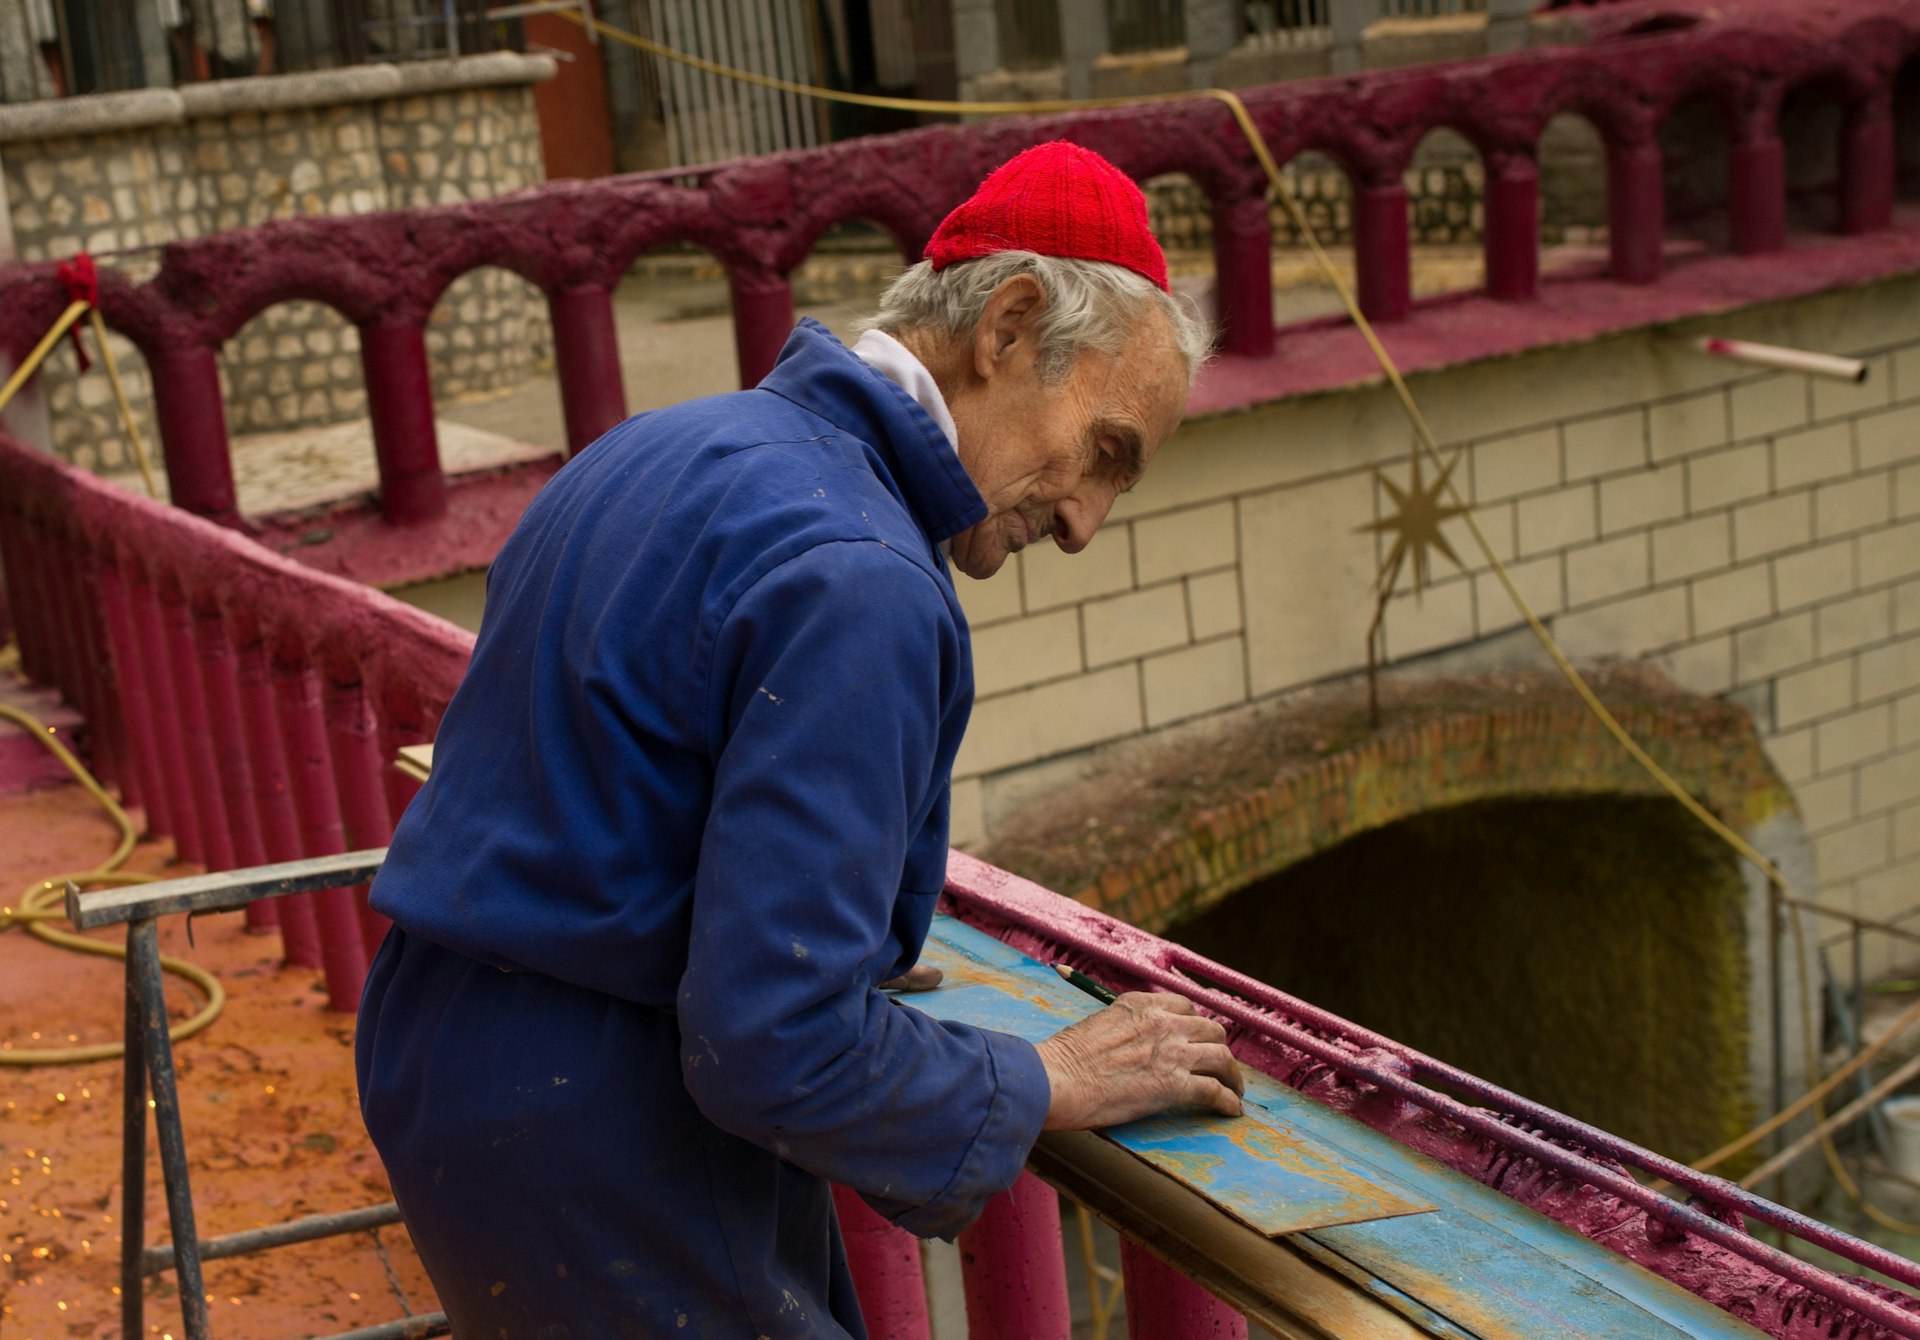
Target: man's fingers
[
  {"x": 920, "y": 977},
  {"x": 1218, "y": 1062},
  {"x": 1206, "y": 1092}
]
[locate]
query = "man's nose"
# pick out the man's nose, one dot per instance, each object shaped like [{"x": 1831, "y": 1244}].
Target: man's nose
[{"x": 1079, "y": 516}]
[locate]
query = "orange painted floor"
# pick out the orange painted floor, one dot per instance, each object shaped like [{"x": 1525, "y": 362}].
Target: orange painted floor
[{"x": 272, "y": 1127}]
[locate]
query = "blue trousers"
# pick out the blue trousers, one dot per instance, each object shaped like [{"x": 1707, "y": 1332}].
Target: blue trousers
[{"x": 557, "y": 1179}]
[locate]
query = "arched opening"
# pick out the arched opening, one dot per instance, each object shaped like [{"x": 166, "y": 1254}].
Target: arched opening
[
  {"x": 294, "y": 365},
  {"x": 1906, "y": 126},
  {"x": 490, "y": 353},
  {"x": 1811, "y": 118},
  {"x": 1694, "y": 157},
  {"x": 1583, "y": 952},
  {"x": 842, "y": 276},
  {"x": 1324, "y": 192},
  {"x": 1573, "y": 192},
  {"x": 1446, "y": 201},
  {"x": 296, "y": 404},
  {"x": 1484, "y": 875},
  {"x": 1181, "y": 215}
]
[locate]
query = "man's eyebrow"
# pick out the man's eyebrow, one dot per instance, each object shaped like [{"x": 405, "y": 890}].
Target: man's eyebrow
[{"x": 1133, "y": 449}]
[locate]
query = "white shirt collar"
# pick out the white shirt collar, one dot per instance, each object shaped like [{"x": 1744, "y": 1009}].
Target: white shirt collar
[{"x": 894, "y": 361}]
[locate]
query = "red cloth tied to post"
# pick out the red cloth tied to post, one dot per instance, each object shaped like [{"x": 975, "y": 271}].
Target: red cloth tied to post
[{"x": 83, "y": 285}]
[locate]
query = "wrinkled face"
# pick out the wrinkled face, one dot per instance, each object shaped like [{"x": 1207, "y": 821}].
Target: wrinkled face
[{"x": 1050, "y": 458}]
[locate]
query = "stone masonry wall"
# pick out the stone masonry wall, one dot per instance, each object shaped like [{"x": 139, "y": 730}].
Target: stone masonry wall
[
  {"x": 1758, "y": 536},
  {"x": 126, "y": 172}
]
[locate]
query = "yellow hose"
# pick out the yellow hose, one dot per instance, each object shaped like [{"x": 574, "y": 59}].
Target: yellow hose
[{"x": 44, "y": 902}]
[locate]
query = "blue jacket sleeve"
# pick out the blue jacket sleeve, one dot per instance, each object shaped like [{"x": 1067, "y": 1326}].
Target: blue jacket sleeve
[{"x": 835, "y": 674}]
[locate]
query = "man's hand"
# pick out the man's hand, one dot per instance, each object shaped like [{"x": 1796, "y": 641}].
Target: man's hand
[{"x": 1142, "y": 1054}]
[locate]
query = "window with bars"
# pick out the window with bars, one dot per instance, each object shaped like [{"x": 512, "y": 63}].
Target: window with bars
[
  {"x": 1029, "y": 33},
  {"x": 1145, "y": 25},
  {"x": 107, "y": 46}
]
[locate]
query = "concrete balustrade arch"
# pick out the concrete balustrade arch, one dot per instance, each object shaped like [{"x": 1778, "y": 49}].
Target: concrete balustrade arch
[{"x": 761, "y": 217}]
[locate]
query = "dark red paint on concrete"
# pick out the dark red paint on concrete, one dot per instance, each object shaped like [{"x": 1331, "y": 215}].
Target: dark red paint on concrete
[
  {"x": 1382, "y": 261},
  {"x": 885, "y": 1262},
  {"x": 352, "y": 540},
  {"x": 192, "y": 420},
  {"x": 761, "y": 217},
  {"x": 1512, "y": 211},
  {"x": 1757, "y": 211},
  {"x": 393, "y": 359},
  {"x": 1163, "y": 1304},
  {"x": 1014, "y": 1274},
  {"x": 586, "y": 352},
  {"x": 160, "y": 571}
]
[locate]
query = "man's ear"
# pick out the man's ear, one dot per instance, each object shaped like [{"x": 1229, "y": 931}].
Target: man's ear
[{"x": 1007, "y": 326}]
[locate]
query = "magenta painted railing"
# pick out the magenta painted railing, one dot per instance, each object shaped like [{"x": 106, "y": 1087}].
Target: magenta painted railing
[
  {"x": 250, "y": 706},
  {"x": 761, "y": 217},
  {"x": 246, "y": 705}
]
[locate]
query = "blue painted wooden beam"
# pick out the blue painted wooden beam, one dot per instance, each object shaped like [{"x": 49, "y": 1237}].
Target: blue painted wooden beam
[{"x": 1478, "y": 1265}]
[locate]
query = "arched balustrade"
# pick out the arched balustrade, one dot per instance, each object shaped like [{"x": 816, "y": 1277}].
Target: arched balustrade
[{"x": 761, "y": 217}]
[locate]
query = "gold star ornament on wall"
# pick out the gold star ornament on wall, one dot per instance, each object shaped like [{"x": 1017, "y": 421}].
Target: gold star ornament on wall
[
  {"x": 1415, "y": 521},
  {"x": 1418, "y": 513}
]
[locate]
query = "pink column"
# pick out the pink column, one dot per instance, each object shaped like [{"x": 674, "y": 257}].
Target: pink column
[
  {"x": 17, "y": 557},
  {"x": 303, "y": 732},
  {"x": 106, "y": 730},
  {"x": 48, "y": 596},
  {"x": 402, "y": 722},
  {"x": 136, "y": 706},
  {"x": 886, "y": 1271},
  {"x": 1382, "y": 261},
  {"x": 196, "y": 732},
  {"x": 393, "y": 360},
  {"x": 1163, "y": 1304},
  {"x": 193, "y": 429},
  {"x": 220, "y": 683},
  {"x": 1014, "y": 1269},
  {"x": 1636, "y": 210},
  {"x": 1512, "y": 226},
  {"x": 1757, "y": 189},
  {"x": 1243, "y": 275},
  {"x": 762, "y": 320},
  {"x": 169, "y": 744},
  {"x": 586, "y": 352},
  {"x": 62, "y": 584},
  {"x": 354, "y": 738},
  {"x": 1867, "y": 168},
  {"x": 273, "y": 793}
]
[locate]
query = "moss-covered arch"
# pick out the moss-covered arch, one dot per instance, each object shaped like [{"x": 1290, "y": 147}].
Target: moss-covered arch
[{"x": 1489, "y": 877}]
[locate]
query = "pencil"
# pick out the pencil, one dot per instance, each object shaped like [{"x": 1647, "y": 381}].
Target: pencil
[{"x": 1085, "y": 983}]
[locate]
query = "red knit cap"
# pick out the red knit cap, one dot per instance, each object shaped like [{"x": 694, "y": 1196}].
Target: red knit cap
[{"x": 1059, "y": 200}]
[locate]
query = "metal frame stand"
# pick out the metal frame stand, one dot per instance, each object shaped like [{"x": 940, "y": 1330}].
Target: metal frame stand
[{"x": 149, "y": 1071}]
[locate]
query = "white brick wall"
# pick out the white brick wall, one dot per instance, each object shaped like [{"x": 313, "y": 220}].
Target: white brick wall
[{"x": 1758, "y": 535}]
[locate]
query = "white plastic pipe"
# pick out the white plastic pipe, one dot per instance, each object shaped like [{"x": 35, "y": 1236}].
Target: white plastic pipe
[{"x": 1776, "y": 356}]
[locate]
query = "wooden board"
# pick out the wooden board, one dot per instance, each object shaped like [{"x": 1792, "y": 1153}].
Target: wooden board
[{"x": 1263, "y": 1168}]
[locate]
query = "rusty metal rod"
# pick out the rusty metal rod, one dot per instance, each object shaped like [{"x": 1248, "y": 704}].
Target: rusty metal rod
[
  {"x": 1884, "y": 927},
  {"x": 1780, "y": 1162},
  {"x": 154, "y": 1260},
  {"x": 224, "y": 891},
  {"x": 407, "y": 1328}
]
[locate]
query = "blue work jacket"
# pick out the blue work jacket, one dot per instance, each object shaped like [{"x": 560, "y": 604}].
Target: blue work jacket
[{"x": 688, "y": 808}]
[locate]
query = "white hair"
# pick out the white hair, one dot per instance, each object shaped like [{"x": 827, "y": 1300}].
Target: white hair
[{"x": 1089, "y": 305}]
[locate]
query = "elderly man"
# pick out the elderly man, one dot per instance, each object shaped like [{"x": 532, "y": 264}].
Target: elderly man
[{"x": 688, "y": 816}]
